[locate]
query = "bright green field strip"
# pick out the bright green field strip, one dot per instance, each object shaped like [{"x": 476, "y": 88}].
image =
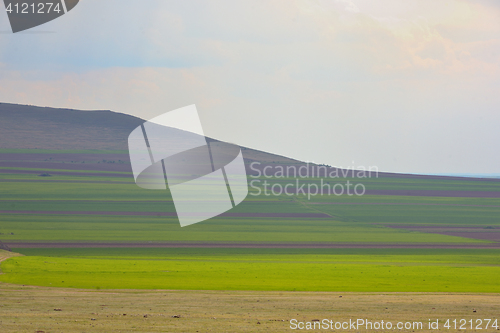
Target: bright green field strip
[
  {"x": 138, "y": 228},
  {"x": 377, "y": 255},
  {"x": 244, "y": 273}
]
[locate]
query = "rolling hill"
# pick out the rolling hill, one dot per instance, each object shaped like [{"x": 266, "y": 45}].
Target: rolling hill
[{"x": 32, "y": 127}]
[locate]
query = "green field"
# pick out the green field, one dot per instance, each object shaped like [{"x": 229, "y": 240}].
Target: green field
[
  {"x": 92, "y": 206},
  {"x": 382, "y": 270},
  {"x": 160, "y": 229},
  {"x": 125, "y": 267},
  {"x": 353, "y": 219}
]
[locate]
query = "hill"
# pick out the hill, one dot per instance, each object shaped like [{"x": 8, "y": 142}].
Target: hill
[
  {"x": 23, "y": 126},
  {"x": 33, "y": 127}
]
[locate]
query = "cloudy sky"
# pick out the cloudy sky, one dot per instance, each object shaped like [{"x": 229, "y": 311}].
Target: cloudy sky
[{"x": 408, "y": 86}]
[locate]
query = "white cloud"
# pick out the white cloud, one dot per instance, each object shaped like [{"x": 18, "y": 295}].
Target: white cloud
[{"x": 349, "y": 6}]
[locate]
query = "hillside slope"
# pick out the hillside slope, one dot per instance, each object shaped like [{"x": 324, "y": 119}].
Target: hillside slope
[
  {"x": 23, "y": 126},
  {"x": 32, "y": 127}
]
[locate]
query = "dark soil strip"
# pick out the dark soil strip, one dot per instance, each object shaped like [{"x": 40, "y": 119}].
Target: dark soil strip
[{"x": 14, "y": 245}]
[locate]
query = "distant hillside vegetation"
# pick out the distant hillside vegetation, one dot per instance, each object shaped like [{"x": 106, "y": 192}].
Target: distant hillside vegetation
[
  {"x": 23, "y": 126},
  {"x": 33, "y": 127}
]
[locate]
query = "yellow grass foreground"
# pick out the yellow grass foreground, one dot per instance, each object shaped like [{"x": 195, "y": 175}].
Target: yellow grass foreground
[{"x": 42, "y": 309}]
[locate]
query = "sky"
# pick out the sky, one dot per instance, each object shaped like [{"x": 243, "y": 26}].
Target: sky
[{"x": 406, "y": 86}]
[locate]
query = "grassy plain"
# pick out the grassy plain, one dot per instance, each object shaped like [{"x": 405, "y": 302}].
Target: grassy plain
[{"x": 367, "y": 270}]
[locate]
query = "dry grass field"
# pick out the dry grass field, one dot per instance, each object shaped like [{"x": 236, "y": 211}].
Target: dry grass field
[{"x": 40, "y": 309}]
